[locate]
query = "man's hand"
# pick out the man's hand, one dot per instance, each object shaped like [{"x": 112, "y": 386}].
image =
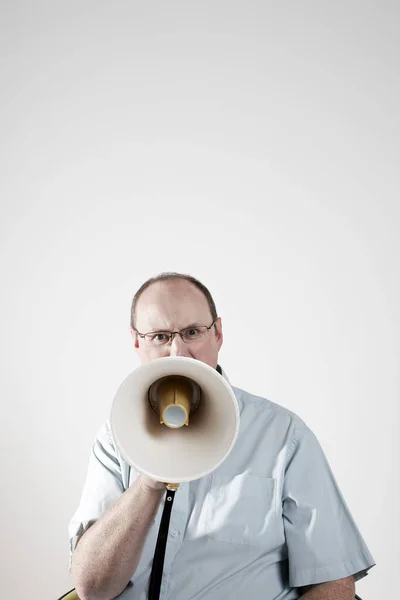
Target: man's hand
[
  {"x": 341, "y": 589},
  {"x": 151, "y": 485}
]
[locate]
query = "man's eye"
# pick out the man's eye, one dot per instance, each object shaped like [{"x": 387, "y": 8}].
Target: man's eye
[
  {"x": 159, "y": 337},
  {"x": 192, "y": 332}
]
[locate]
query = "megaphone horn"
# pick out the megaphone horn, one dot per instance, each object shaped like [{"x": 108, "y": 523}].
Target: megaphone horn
[{"x": 175, "y": 419}]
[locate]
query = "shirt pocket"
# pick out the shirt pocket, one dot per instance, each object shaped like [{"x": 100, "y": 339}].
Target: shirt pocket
[{"x": 242, "y": 510}]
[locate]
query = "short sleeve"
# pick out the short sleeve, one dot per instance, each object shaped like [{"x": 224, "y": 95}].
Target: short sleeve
[
  {"x": 323, "y": 541},
  {"x": 106, "y": 480}
]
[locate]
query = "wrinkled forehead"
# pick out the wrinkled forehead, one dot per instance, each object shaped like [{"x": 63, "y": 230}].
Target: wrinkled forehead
[{"x": 171, "y": 305}]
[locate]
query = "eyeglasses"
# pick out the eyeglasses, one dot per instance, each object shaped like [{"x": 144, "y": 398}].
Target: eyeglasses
[{"x": 189, "y": 335}]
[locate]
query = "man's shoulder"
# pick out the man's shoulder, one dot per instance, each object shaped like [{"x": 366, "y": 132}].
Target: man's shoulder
[{"x": 262, "y": 406}]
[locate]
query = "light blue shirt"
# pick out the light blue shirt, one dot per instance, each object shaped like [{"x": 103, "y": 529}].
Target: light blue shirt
[{"x": 270, "y": 519}]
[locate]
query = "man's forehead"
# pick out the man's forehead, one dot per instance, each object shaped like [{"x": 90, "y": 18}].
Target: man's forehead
[{"x": 172, "y": 304}]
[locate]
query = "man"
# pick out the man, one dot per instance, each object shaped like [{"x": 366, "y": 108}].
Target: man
[{"x": 270, "y": 523}]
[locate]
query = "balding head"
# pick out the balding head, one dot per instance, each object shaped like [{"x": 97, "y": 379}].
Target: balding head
[{"x": 173, "y": 305}]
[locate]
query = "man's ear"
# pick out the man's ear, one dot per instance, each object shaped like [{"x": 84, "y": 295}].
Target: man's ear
[
  {"x": 135, "y": 338},
  {"x": 218, "y": 333}
]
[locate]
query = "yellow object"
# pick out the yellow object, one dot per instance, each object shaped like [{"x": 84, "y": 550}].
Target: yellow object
[
  {"x": 72, "y": 595},
  {"x": 172, "y": 486},
  {"x": 174, "y": 393}
]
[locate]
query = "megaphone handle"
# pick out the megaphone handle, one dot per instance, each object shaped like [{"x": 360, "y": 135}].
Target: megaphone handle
[{"x": 159, "y": 554}]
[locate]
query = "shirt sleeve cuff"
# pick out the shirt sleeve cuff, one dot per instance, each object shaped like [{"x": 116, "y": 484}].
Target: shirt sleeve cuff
[{"x": 357, "y": 566}]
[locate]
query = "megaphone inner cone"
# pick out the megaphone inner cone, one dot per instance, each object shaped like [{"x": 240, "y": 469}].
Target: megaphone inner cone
[{"x": 174, "y": 398}]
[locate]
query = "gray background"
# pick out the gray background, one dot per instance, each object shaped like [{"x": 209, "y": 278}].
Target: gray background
[{"x": 252, "y": 144}]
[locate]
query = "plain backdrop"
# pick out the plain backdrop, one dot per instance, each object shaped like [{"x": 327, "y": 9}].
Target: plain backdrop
[{"x": 252, "y": 144}]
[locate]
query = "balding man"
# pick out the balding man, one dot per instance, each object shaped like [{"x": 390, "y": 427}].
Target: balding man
[{"x": 270, "y": 523}]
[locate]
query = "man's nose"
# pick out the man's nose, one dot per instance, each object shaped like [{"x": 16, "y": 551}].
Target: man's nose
[{"x": 178, "y": 347}]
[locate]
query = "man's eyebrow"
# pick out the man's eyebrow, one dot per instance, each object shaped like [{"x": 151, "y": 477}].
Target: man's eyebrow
[{"x": 154, "y": 330}]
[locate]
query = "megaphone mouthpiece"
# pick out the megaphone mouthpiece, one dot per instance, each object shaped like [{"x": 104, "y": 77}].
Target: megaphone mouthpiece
[{"x": 173, "y": 398}]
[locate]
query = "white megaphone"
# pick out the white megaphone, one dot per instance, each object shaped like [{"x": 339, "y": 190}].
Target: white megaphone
[{"x": 175, "y": 419}]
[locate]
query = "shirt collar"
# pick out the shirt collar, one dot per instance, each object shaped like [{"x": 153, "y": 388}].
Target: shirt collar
[{"x": 222, "y": 372}]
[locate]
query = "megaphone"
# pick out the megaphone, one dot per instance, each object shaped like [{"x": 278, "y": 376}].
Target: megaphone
[{"x": 175, "y": 419}]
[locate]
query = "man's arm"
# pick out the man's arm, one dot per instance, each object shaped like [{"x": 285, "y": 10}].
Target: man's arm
[
  {"x": 108, "y": 553},
  {"x": 342, "y": 589}
]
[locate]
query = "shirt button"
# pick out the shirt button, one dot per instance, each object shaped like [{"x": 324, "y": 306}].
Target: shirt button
[{"x": 174, "y": 533}]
